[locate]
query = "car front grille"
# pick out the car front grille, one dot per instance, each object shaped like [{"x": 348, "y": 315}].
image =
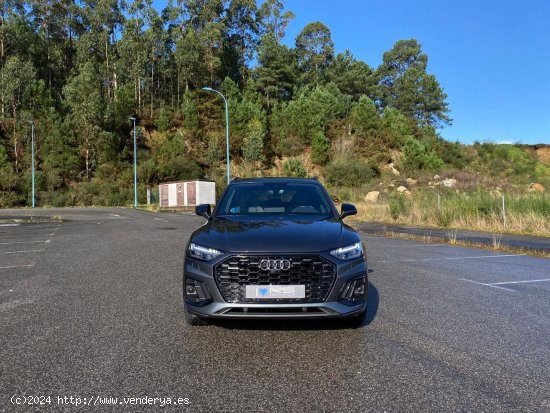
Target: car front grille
[{"x": 235, "y": 273}]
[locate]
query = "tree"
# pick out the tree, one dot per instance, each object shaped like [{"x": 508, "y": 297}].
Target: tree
[
  {"x": 275, "y": 75},
  {"x": 8, "y": 181},
  {"x": 188, "y": 60},
  {"x": 396, "y": 128},
  {"x": 254, "y": 141},
  {"x": 132, "y": 54},
  {"x": 273, "y": 19},
  {"x": 207, "y": 19},
  {"x": 85, "y": 103},
  {"x": 104, "y": 20},
  {"x": 15, "y": 77},
  {"x": 405, "y": 85},
  {"x": 240, "y": 39},
  {"x": 315, "y": 50},
  {"x": 353, "y": 77},
  {"x": 190, "y": 117},
  {"x": 320, "y": 146},
  {"x": 243, "y": 112},
  {"x": 364, "y": 117},
  {"x": 311, "y": 110},
  {"x": 60, "y": 159}
]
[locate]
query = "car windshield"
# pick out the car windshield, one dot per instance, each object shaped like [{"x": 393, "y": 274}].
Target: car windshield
[{"x": 275, "y": 199}]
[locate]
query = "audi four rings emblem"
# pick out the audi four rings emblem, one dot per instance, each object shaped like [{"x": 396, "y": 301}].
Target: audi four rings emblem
[{"x": 275, "y": 264}]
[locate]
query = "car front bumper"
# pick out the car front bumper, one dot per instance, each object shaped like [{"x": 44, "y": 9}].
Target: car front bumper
[{"x": 332, "y": 307}]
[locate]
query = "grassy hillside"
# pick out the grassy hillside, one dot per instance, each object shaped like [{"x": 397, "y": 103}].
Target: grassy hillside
[{"x": 469, "y": 197}]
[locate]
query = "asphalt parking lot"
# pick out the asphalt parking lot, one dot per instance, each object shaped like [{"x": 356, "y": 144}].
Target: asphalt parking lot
[{"x": 90, "y": 307}]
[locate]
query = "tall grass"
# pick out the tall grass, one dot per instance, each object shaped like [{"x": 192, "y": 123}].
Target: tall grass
[{"x": 480, "y": 210}]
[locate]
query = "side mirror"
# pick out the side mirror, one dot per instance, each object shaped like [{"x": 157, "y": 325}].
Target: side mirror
[
  {"x": 203, "y": 210},
  {"x": 348, "y": 209}
]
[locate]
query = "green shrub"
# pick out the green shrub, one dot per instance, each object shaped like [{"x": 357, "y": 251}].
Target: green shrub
[
  {"x": 320, "y": 146},
  {"x": 179, "y": 169},
  {"x": 504, "y": 160},
  {"x": 163, "y": 123},
  {"x": 416, "y": 156},
  {"x": 294, "y": 168},
  {"x": 253, "y": 144},
  {"x": 350, "y": 172},
  {"x": 399, "y": 206}
]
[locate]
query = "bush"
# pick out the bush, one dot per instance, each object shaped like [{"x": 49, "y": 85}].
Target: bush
[
  {"x": 254, "y": 142},
  {"x": 178, "y": 169},
  {"x": 417, "y": 157},
  {"x": 504, "y": 160},
  {"x": 399, "y": 206},
  {"x": 319, "y": 148},
  {"x": 294, "y": 168},
  {"x": 163, "y": 122},
  {"x": 350, "y": 172}
]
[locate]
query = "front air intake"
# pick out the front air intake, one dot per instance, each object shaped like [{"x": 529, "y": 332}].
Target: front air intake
[{"x": 314, "y": 272}]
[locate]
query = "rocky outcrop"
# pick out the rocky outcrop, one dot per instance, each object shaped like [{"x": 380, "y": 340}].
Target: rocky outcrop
[
  {"x": 448, "y": 183},
  {"x": 372, "y": 197},
  {"x": 536, "y": 187},
  {"x": 392, "y": 169}
]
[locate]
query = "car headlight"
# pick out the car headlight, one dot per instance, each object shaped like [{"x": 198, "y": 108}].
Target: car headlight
[
  {"x": 349, "y": 252},
  {"x": 203, "y": 253}
]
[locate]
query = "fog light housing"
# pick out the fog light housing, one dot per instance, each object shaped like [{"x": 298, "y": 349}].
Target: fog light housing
[
  {"x": 354, "y": 291},
  {"x": 196, "y": 292}
]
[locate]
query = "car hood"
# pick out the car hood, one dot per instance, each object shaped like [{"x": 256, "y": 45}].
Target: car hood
[{"x": 277, "y": 234}]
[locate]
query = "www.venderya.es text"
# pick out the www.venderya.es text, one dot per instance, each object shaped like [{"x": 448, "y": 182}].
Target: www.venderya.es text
[{"x": 44, "y": 400}]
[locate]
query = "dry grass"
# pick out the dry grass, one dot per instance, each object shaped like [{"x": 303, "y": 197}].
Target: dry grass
[
  {"x": 417, "y": 214},
  {"x": 494, "y": 246}
]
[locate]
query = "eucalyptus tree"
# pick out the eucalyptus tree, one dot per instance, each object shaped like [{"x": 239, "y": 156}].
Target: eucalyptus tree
[
  {"x": 315, "y": 50},
  {"x": 103, "y": 20},
  {"x": 86, "y": 109},
  {"x": 15, "y": 77},
  {"x": 273, "y": 18},
  {"x": 240, "y": 39}
]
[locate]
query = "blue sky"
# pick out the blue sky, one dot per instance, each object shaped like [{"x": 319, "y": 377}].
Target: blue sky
[{"x": 491, "y": 57}]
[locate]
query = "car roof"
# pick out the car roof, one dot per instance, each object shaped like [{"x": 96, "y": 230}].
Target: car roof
[{"x": 274, "y": 180}]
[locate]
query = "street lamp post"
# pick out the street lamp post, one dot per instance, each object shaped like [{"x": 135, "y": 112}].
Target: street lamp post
[
  {"x": 132, "y": 119},
  {"x": 209, "y": 89},
  {"x": 32, "y": 165}
]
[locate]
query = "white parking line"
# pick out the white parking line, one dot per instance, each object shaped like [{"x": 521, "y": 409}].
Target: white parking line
[
  {"x": 458, "y": 258},
  {"x": 160, "y": 219},
  {"x": 26, "y": 235},
  {"x": 521, "y": 282},
  {"x": 25, "y": 242},
  {"x": 8, "y": 225},
  {"x": 488, "y": 285},
  {"x": 31, "y": 229},
  {"x": 21, "y": 252},
  {"x": 17, "y": 266},
  {"x": 419, "y": 246}
]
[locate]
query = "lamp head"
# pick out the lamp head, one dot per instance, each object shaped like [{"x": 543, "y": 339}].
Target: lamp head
[{"x": 207, "y": 88}]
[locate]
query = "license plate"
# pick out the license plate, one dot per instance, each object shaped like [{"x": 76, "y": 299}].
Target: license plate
[{"x": 275, "y": 291}]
